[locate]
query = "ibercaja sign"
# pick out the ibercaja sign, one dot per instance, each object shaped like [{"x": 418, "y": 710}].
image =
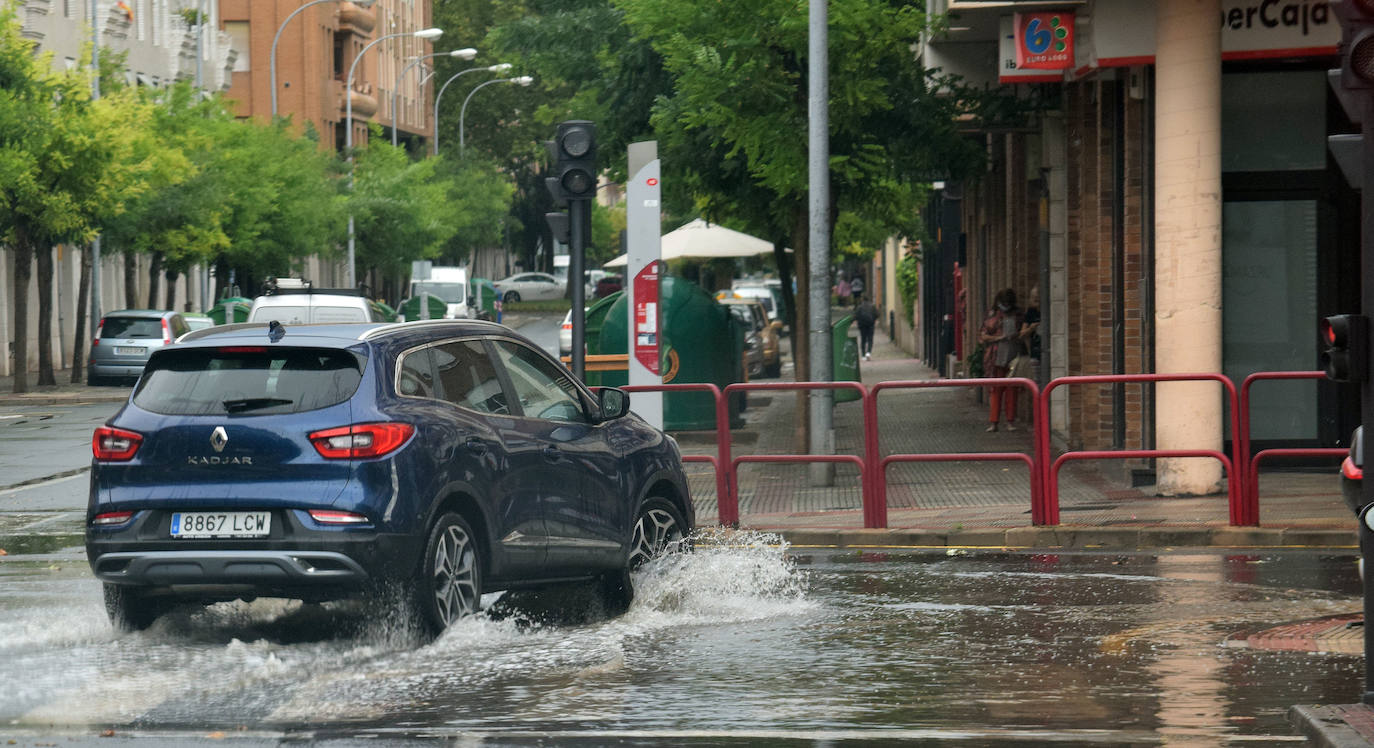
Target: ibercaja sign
[{"x": 1043, "y": 41}]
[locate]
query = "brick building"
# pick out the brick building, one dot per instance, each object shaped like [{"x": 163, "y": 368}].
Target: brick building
[{"x": 1175, "y": 205}]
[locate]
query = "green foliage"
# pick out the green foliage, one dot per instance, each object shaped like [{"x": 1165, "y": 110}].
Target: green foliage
[{"x": 908, "y": 284}]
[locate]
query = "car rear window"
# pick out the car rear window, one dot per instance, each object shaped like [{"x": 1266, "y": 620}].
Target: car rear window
[
  {"x": 247, "y": 379},
  {"x": 324, "y": 314},
  {"x": 131, "y": 327}
]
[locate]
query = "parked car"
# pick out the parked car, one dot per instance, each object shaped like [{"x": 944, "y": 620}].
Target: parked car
[
  {"x": 420, "y": 465},
  {"x": 753, "y": 346},
  {"x": 294, "y": 302},
  {"x": 609, "y": 285},
  {"x": 126, "y": 339},
  {"x": 1352, "y": 473},
  {"x": 754, "y": 316},
  {"x": 565, "y": 335},
  {"x": 763, "y": 293},
  {"x": 530, "y": 287}
]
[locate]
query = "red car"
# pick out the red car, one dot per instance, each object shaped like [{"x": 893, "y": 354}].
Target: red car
[{"x": 609, "y": 285}]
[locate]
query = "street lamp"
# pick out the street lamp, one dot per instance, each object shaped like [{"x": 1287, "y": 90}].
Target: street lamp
[
  {"x": 462, "y": 54},
  {"x": 272, "y": 67},
  {"x": 499, "y": 67},
  {"x": 523, "y": 80},
  {"x": 348, "y": 124}
]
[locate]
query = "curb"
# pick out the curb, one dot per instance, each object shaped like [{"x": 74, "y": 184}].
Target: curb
[
  {"x": 1071, "y": 537},
  {"x": 1336, "y": 726}
]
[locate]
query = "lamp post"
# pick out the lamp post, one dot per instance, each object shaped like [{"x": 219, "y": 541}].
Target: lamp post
[
  {"x": 348, "y": 125},
  {"x": 499, "y": 67},
  {"x": 523, "y": 80},
  {"x": 462, "y": 54},
  {"x": 272, "y": 65}
]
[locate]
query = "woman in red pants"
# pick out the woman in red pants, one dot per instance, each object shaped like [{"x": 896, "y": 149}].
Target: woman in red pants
[{"x": 1001, "y": 338}]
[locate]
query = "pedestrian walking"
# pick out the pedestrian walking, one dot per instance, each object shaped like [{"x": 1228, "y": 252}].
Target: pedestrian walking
[
  {"x": 866, "y": 315},
  {"x": 842, "y": 291},
  {"x": 1001, "y": 338},
  {"x": 856, "y": 289}
]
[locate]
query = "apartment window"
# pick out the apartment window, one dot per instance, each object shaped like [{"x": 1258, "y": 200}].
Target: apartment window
[{"x": 238, "y": 41}]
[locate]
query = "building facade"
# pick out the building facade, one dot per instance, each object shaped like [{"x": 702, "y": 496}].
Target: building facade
[{"x": 1173, "y": 203}]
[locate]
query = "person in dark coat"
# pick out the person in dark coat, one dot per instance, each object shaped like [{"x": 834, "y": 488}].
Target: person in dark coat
[{"x": 866, "y": 315}]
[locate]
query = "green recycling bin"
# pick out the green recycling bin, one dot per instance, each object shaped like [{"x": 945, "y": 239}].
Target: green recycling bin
[
  {"x": 593, "y": 320},
  {"x": 485, "y": 298},
  {"x": 230, "y": 309},
  {"x": 383, "y": 310},
  {"x": 844, "y": 351},
  {"x": 701, "y": 342},
  {"x": 412, "y": 310}
]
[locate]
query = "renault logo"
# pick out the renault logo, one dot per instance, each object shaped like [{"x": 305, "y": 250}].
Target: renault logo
[{"x": 218, "y": 439}]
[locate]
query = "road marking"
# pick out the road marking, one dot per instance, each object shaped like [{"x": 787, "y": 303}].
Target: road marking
[{"x": 45, "y": 481}]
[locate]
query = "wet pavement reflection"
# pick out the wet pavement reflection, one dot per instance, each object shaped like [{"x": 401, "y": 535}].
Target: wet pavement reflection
[{"x": 737, "y": 643}]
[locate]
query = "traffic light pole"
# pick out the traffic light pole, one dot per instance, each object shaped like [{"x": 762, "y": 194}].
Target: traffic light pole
[
  {"x": 1366, "y": 106},
  {"x": 579, "y": 216}
]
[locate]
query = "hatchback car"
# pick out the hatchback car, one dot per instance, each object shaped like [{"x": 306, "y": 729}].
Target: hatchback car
[
  {"x": 755, "y": 318},
  {"x": 126, "y": 339},
  {"x": 1352, "y": 472},
  {"x": 530, "y": 287},
  {"x": 439, "y": 459}
]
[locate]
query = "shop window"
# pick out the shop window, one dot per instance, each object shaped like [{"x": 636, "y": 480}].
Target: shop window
[{"x": 1273, "y": 121}]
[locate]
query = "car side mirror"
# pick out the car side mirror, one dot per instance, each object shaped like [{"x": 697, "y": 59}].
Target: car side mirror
[{"x": 614, "y": 403}]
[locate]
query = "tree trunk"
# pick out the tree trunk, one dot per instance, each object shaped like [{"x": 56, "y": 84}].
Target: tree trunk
[
  {"x": 83, "y": 292},
  {"x": 171, "y": 275},
  {"x": 801, "y": 329},
  {"x": 154, "y": 275},
  {"x": 45, "y": 310},
  {"x": 130, "y": 280},
  {"x": 23, "y": 271}
]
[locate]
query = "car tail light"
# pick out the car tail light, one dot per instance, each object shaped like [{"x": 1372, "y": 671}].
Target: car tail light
[
  {"x": 243, "y": 349},
  {"x": 361, "y": 440},
  {"x": 115, "y": 445},
  {"x": 1350, "y": 470},
  {"x": 99, "y": 330},
  {"x": 108, "y": 519},
  {"x": 333, "y": 517},
  {"x": 166, "y": 331}
]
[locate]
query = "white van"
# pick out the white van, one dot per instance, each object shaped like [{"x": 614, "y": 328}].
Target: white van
[{"x": 294, "y": 302}]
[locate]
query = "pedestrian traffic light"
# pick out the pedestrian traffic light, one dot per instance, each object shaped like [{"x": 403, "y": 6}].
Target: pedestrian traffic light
[
  {"x": 1353, "y": 83},
  {"x": 1346, "y": 337},
  {"x": 575, "y": 159}
]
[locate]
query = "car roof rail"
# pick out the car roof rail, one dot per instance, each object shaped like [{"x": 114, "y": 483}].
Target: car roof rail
[
  {"x": 391, "y": 327},
  {"x": 206, "y": 332}
]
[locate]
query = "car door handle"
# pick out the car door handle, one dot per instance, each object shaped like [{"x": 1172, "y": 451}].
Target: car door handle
[
  {"x": 476, "y": 446},
  {"x": 552, "y": 453}
]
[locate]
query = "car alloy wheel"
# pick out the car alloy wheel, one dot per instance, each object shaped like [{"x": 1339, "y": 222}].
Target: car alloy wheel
[
  {"x": 511, "y": 297},
  {"x": 452, "y": 585},
  {"x": 657, "y": 531},
  {"x": 128, "y": 610}
]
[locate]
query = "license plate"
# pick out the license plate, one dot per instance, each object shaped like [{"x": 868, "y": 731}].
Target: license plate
[
  {"x": 124, "y": 351},
  {"x": 221, "y": 524}
]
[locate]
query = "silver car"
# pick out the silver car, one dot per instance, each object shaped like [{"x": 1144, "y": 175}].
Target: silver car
[{"x": 125, "y": 340}]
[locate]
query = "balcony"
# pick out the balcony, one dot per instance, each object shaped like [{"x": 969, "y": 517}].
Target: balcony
[
  {"x": 364, "y": 99},
  {"x": 356, "y": 19}
]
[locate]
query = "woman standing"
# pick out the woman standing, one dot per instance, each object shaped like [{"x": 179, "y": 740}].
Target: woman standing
[{"x": 1001, "y": 338}]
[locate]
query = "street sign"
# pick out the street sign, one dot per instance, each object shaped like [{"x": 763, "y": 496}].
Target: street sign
[{"x": 644, "y": 252}]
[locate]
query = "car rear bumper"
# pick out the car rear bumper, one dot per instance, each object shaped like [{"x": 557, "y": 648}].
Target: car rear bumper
[{"x": 132, "y": 370}]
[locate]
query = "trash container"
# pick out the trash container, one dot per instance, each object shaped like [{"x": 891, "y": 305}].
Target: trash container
[
  {"x": 844, "y": 351},
  {"x": 485, "y": 299},
  {"x": 414, "y": 307},
  {"x": 701, "y": 342},
  {"x": 230, "y": 309},
  {"x": 383, "y": 310}
]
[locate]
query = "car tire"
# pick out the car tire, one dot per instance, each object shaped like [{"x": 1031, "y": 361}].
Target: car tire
[
  {"x": 128, "y": 610},
  {"x": 511, "y": 297},
  {"x": 657, "y": 531},
  {"x": 448, "y": 585},
  {"x": 773, "y": 370},
  {"x": 94, "y": 381}
]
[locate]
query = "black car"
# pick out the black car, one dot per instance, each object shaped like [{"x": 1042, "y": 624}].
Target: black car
[{"x": 443, "y": 459}]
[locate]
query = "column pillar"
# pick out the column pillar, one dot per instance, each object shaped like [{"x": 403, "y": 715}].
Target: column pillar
[{"x": 1188, "y": 239}]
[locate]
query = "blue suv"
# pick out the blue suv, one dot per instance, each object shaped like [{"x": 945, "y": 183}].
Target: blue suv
[{"x": 443, "y": 459}]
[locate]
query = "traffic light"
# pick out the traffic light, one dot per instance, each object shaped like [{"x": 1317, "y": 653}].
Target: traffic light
[
  {"x": 575, "y": 159},
  {"x": 558, "y": 227},
  {"x": 1353, "y": 82},
  {"x": 1346, "y": 337}
]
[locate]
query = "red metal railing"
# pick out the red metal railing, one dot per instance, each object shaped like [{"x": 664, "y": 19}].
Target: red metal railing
[
  {"x": 878, "y": 465},
  {"x": 1242, "y": 474},
  {"x": 1251, "y": 485},
  {"x": 1238, "y": 514},
  {"x": 865, "y": 489}
]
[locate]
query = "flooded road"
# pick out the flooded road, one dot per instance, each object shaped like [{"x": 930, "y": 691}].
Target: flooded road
[{"x": 740, "y": 642}]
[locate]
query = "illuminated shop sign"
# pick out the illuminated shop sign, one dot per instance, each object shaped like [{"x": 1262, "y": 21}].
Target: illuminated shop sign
[{"x": 1043, "y": 41}]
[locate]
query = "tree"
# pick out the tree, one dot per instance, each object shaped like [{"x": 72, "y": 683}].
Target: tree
[{"x": 63, "y": 167}]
